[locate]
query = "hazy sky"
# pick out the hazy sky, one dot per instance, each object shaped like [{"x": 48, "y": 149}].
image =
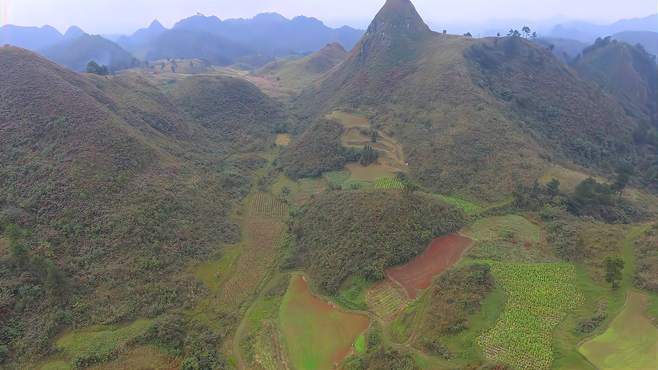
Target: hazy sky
[{"x": 121, "y": 16}]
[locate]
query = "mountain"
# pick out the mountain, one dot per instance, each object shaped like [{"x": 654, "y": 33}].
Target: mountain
[
  {"x": 297, "y": 73},
  {"x": 272, "y": 34},
  {"x": 141, "y": 37},
  {"x": 588, "y": 32},
  {"x": 474, "y": 117},
  {"x": 111, "y": 189},
  {"x": 32, "y": 38},
  {"x": 74, "y": 32},
  {"x": 648, "y": 39},
  {"x": 188, "y": 44},
  {"x": 626, "y": 72},
  {"x": 564, "y": 49},
  {"x": 77, "y": 52}
]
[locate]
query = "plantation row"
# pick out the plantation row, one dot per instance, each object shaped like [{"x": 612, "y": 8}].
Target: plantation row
[
  {"x": 266, "y": 205},
  {"x": 539, "y": 296}
]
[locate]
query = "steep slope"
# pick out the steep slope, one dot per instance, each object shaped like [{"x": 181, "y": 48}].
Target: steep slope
[
  {"x": 626, "y": 72},
  {"x": 108, "y": 191},
  {"x": 648, "y": 39},
  {"x": 472, "y": 116},
  {"x": 32, "y": 38},
  {"x": 299, "y": 73},
  {"x": 77, "y": 52}
]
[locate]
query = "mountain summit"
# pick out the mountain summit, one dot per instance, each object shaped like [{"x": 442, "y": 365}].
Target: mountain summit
[{"x": 398, "y": 18}]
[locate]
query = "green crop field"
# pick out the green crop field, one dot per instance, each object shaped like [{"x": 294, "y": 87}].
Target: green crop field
[
  {"x": 631, "y": 341},
  {"x": 539, "y": 296},
  {"x": 510, "y": 227},
  {"x": 388, "y": 183},
  {"x": 468, "y": 207},
  {"x": 90, "y": 346}
]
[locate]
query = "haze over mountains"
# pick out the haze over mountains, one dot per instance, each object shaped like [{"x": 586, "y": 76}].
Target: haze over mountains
[
  {"x": 254, "y": 42},
  {"x": 156, "y": 216}
]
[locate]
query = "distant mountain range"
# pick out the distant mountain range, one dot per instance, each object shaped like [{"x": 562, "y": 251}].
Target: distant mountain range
[
  {"x": 588, "y": 32},
  {"x": 256, "y": 41}
]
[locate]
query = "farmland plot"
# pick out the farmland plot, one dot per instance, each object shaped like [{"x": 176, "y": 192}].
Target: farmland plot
[{"x": 539, "y": 296}]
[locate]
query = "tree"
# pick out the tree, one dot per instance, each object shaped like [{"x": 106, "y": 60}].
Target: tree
[
  {"x": 534, "y": 35},
  {"x": 553, "y": 188},
  {"x": 95, "y": 68},
  {"x": 468, "y": 34},
  {"x": 624, "y": 174},
  {"x": 4, "y": 353},
  {"x": 613, "y": 271},
  {"x": 527, "y": 31},
  {"x": 368, "y": 156}
]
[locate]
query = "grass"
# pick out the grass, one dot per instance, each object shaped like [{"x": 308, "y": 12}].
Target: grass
[
  {"x": 101, "y": 343},
  {"x": 509, "y": 227},
  {"x": 349, "y": 120},
  {"x": 631, "y": 341},
  {"x": 317, "y": 334},
  {"x": 282, "y": 140},
  {"x": 539, "y": 296},
  {"x": 360, "y": 346},
  {"x": 469, "y": 208},
  {"x": 142, "y": 357},
  {"x": 213, "y": 273},
  {"x": 352, "y": 294}
]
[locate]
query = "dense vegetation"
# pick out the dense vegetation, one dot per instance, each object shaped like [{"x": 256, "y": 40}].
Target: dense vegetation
[
  {"x": 107, "y": 192},
  {"x": 316, "y": 151},
  {"x": 454, "y": 297},
  {"x": 361, "y": 233},
  {"x": 646, "y": 254}
]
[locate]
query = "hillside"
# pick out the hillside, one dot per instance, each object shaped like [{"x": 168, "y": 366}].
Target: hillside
[
  {"x": 108, "y": 192},
  {"x": 626, "y": 72},
  {"x": 474, "y": 117},
  {"x": 76, "y": 52},
  {"x": 648, "y": 39},
  {"x": 298, "y": 73}
]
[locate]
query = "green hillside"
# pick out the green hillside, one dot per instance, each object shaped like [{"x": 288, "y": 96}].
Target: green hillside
[{"x": 108, "y": 193}]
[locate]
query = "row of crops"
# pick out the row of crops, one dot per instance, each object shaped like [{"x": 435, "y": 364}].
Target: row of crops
[{"x": 539, "y": 296}]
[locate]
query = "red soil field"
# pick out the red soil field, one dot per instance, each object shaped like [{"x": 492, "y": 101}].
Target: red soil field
[{"x": 418, "y": 273}]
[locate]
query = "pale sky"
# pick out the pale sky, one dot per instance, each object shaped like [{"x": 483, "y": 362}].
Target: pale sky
[{"x": 125, "y": 16}]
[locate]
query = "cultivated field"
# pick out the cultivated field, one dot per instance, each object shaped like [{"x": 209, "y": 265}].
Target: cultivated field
[
  {"x": 418, "y": 274},
  {"x": 539, "y": 296},
  {"x": 317, "y": 334},
  {"x": 386, "y": 299},
  {"x": 631, "y": 341},
  {"x": 510, "y": 227}
]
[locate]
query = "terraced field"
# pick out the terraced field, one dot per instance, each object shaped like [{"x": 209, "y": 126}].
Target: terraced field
[
  {"x": 510, "y": 227},
  {"x": 266, "y": 205},
  {"x": 386, "y": 299},
  {"x": 539, "y": 296}
]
